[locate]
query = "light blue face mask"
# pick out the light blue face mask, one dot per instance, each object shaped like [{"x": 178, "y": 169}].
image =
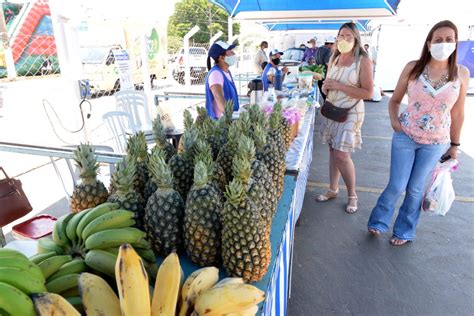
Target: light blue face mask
[{"x": 230, "y": 60}]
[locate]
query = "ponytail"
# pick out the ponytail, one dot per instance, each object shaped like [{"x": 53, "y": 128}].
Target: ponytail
[{"x": 209, "y": 63}]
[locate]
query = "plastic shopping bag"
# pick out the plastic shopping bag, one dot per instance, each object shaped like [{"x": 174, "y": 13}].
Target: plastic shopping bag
[{"x": 440, "y": 193}]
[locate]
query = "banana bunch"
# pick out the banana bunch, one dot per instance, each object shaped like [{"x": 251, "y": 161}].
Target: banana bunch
[
  {"x": 47, "y": 304},
  {"x": 19, "y": 278}
]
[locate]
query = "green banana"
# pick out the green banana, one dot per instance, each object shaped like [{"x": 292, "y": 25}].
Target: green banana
[
  {"x": 146, "y": 254},
  {"x": 41, "y": 257},
  {"x": 63, "y": 283},
  {"x": 15, "y": 302},
  {"x": 114, "y": 237},
  {"x": 59, "y": 230},
  {"x": 93, "y": 214},
  {"x": 115, "y": 219},
  {"x": 102, "y": 261},
  {"x": 22, "y": 280},
  {"x": 74, "y": 266},
  {"x": 11, "y": 253},
  {"x": 22, "y": 264},
  {"x": 76, "y": 301},
  {"x": 46, "y": 244},
  {"x": 114, "y": 251},
  {"x": 141, "y": 244},
  {"x": 74, "y": 291},
  {"x": 51, "y": 265},
  {"x": 72, "y": 226}
]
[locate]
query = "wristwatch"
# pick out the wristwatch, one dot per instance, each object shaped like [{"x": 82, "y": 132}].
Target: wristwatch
[{"x": 455, "y": 144}]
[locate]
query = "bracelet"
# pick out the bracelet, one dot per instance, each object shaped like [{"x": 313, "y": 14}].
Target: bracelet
[{"x": 455, "y": 144}]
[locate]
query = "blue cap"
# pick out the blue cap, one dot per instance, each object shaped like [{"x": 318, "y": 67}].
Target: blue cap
[{"x": 219, "y": 48}]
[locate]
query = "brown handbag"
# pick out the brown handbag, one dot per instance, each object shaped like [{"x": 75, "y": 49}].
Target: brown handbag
[
  {"x": 13, "y": 201},
  {"x": 336, "y": 113}
]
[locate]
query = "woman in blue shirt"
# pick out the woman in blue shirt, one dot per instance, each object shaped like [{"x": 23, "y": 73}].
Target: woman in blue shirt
[{"x": 220, "y": 86}]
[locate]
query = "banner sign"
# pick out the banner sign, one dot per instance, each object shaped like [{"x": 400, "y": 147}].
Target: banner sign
[{"x": 122, "y": 62}]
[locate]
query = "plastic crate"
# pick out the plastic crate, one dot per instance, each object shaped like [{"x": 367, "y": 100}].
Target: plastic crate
[{"x": 34, "y": 228}]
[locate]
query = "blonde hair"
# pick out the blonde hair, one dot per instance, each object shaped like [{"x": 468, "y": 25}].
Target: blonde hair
[{"x": 357, "y": 50}]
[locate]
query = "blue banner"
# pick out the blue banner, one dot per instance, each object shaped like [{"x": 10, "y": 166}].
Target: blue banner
[{"x": 466, "y": 55}]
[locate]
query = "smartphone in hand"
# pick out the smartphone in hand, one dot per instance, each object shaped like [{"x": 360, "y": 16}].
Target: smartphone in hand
[{"x": 444, "y": 158}]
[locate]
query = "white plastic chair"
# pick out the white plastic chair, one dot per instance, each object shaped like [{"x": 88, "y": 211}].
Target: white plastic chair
[
  {"x": 135, "y": 103},
  {"x": 120, "y": 125}
]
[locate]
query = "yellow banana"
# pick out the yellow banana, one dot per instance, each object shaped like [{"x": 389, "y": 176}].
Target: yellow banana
[
  {"x": 22, "y": 280},
  {"x": 72, "y": 226},
  {"x": 59, "y": 230},
  {"x": 75, "y": 266},
  {"x": 63, "y": 283},
  {"x": 197, "y": 283},
  {"x": 39, "y": 257},
  {"x": 93, "y": 214},
  {"x": 15, "y": 302},
  {"x": 102, "y": 261},
  {"x": 22, "y": 264},
  {"x": 228, "y": 298},
  {"x": 114, "y": 237},
  {"x": 97, "y": 296},
  {"x": 8, "y": 253},
  {"x": 115, "y": 219},
  {"x": 229, "y": 281},
  {"x": 167, "y": 287},
  {"x": 47, "y": 304},
  {"x": 46, "y": 245},
  {"x": 248, "y": 312},
  {"x": 132, "y": 283},
  {"x": 52, "y": 264}
]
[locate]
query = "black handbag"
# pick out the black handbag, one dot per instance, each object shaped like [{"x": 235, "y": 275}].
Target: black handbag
[
  {"x": 13, "y": 201},
  {"x": 335, "y": 113}
]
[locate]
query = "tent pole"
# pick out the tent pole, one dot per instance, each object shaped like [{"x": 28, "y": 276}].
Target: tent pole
[{"x": 229, "y": 29}]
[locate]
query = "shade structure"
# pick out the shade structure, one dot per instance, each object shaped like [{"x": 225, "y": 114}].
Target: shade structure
[
  {"x": 320, "y": 25},
  {"x": 304, "y": 10}
]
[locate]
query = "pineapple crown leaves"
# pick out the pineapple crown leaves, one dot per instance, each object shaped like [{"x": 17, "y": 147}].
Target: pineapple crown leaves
[
  {"x": 228, "y": 111},
  {"x": 235, "y": 192},
  {"x": 125, "y": 175},
  {"x": 160, "y": 171},
  {"x": 156, "y": 151},
  {"x": 203, "y": 153},
  {"x": 275, "y": 117},
  {"x": 241, "y": 169},
  {"x": 202, "y": 112},
  {"x": 246, "y": 148},
  {"x": 190, "y": 138},
  {"x": 84, "y": 156},
  {"x": 259, "y": 136},
  {"x": 201, "y": 174},
  {"x": 159, "y": 132},
  {"x": 244, "y": 122},
  {"x": 188, "y": 120},
  {"x": 234, "y": 133},
  {"x": 137, "y": 147}
]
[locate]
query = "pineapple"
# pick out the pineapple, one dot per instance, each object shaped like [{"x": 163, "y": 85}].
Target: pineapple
[
  {"x": 276, "y": 130},
  {"x": 202, "y": 116},
  {"x": 228, "y": 151},
  {"x": 202, "y": 222},
  {"x": 182, "y": 164},
  {"x": 246, "y": 250},
  {"x": 216, "y": 135},
  {"x": 160, "y": 139},
  {"x": 150, "y": 186},
  {"x": 203, "y": 153},
  {"x": 90, "y": 192},
  {"x": 137, "y": 149},
  {"x": 164, "y": 210},
  {"x": 125, "y": 195},
  {"x": 188, "y": 124}
]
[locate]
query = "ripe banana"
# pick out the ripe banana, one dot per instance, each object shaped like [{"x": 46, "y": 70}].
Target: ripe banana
[
  {"x": 228, "y": 298},
  {"x": 102, "y": 261},
  {"x": 22, "y": 280},
  {"x": 115, "y": 219},
  {"x": 41, "y": 257},
  {"x": 22, "y": 264},
  {"x": 59, "y": 231},
  {"x": 93, "y": 214},
  {"x": 97, "y": 296},
  {"x": 75, "y": 266},
  {"x": 52, "y": 264},
  {"x": 63, "y": 283},
  {"x": 229, "y": 281},
  {"x": 248, "y": 312},
  {"x": 47, "y": 304},
  {"x": 15, "y": 302},
  {"x": 11, "y": 253},
  {"x": 114, "y": 237},
  {"x": 72, "y": 226},
  {"x": 197, "y": 283},
  {"x": 46, "y": 245},
  {"x": 132, "y": 283},
  {"x": 167, "y": 287}
]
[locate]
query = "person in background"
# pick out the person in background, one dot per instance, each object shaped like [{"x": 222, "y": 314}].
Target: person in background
[
  {"x": 348, "y": 82},
  {"x": 311, "y": 51},
  {"x": 220, "y": 86},
  {"x": 260, "y": 58},
  {"x": 322, "y": 58},
  {"x": 272, "y": 74},
  {"x": 311, "y": 61},
  {"x": 429, "y": 127},
  {"x": 303, "y": 46}
]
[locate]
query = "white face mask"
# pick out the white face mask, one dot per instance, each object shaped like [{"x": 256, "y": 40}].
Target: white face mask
[
  {"x": 442, "y": 51},
  {"x": 230, "y": 60}
]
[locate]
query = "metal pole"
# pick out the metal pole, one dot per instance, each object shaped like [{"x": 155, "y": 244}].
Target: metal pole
[
  {"x": 187, "y": 74},
  {"x": 215, "y": 37},
  {"x": 229, "y": 30},
  {"x": 147, "y": 77}
]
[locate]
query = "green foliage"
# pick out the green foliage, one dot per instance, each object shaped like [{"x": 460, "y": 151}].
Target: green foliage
[{"x": 209, "y": 17}]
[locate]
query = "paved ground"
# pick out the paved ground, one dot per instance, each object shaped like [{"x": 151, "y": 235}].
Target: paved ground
[{"x": 338, "y": 269}]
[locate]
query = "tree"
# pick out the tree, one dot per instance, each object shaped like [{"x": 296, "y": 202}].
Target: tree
[{"x": 209, "y": 17}]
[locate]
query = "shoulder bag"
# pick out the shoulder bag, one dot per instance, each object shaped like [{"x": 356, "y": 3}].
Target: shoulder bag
[
  {"x": 13, "y": 201},
  {"x": 336, "y": 113}
]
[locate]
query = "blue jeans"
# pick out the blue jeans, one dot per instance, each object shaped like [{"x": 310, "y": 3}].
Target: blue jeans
[{"x": 410, "y": 165}]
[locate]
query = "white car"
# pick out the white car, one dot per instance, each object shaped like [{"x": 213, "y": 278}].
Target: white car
[{"x": 197, "y": 64}]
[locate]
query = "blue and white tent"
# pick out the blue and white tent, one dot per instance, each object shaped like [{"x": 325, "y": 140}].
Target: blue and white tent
[{"x": 317, "y": 25}]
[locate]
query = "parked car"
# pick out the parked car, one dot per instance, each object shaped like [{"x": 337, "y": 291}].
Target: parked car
[
  {"x": 197, "y": 64},
  {"x": 292, "y": 58}
]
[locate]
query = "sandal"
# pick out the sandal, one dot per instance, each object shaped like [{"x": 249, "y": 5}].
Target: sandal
[
  {"x": 329, "y": 195},
  {"x": 351, "y": 208},
  {"x": 374, "y": 231},
  {"x": 398, "y": 242}
]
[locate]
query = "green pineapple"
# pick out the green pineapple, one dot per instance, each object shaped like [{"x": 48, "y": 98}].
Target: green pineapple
[
  {"x": 276, "y": 130},
  {"x": 202, "y": 116},
  {"x": 246, "y": 249},
  {"x": 138, "y": 151},
  {"x": 90, "y": 192},
  {"x": 228, "y": 151},
  {"x": 159, "y": 134},
  {"x": 202, "y": 219},
  {"x": 203, "y": 153},
  {"x": 216, "y": 135},
  {"x": 164, "y": 210},
  {"x": 150, "y": 186},
  {"x": 188, "y": 124},
  {"x": 182, "y": 164},
  {"x": 125, "y": 195}
]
